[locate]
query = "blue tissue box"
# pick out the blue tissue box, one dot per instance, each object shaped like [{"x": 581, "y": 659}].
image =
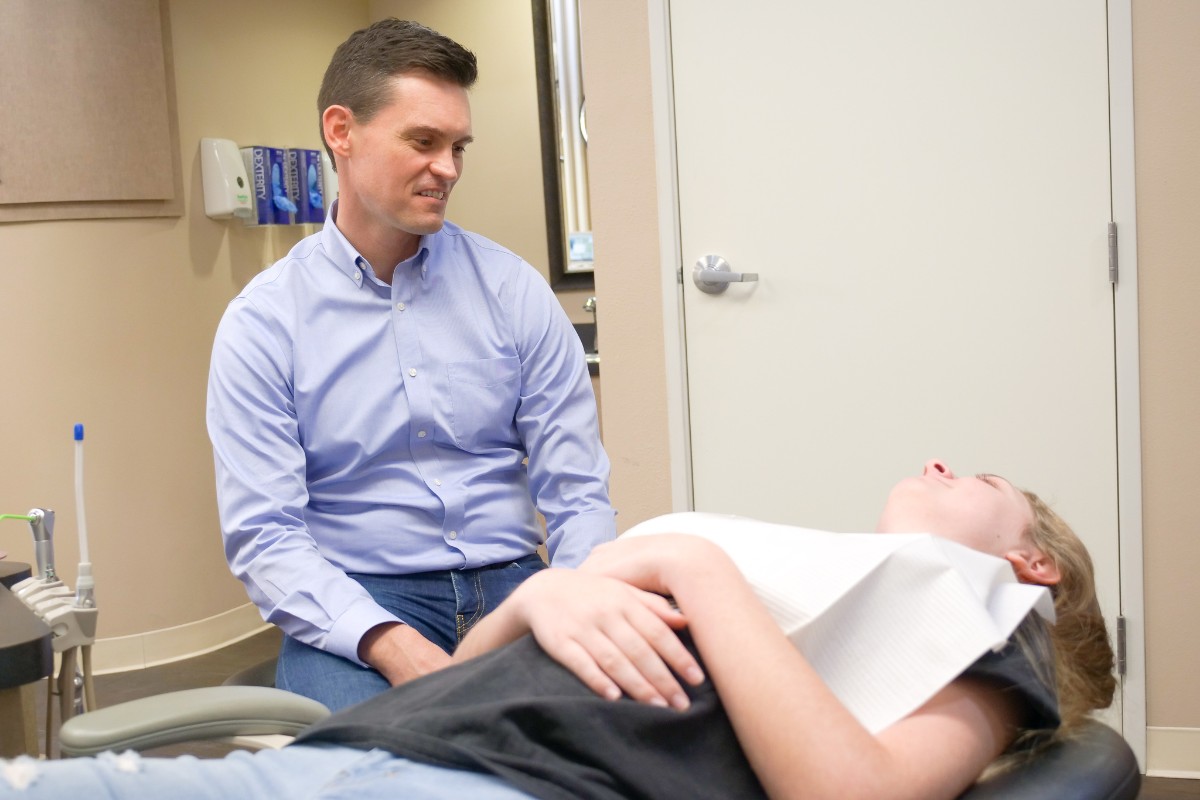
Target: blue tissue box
[
  {"x": 266, "y": 167},
  {"x": 306, "y": 185}
]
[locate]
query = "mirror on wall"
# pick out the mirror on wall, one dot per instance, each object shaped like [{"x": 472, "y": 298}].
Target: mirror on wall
[{"x": 563, "y": 123}]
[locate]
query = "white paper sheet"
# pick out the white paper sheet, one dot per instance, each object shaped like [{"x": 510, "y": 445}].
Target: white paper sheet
[{"x": 886, "y": 620}]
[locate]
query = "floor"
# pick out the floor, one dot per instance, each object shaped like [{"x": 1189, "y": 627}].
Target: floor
[{"x": 213, "y": 668}]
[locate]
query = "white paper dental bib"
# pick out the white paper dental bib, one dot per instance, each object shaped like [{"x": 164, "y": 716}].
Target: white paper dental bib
[{"x": 886, "y": 620}]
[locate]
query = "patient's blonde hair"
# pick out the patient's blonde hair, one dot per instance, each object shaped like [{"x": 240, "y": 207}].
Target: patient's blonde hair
[{"x": 1083, "y": 655}]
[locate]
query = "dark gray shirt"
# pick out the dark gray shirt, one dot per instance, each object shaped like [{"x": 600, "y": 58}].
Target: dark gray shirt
[{"x": 518, "y": 714}]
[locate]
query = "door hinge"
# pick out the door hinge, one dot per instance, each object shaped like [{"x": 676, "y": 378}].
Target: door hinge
[
  {"x": 679, "y": 276},
  {"x": 1112, "y": 252},
  {"x": 1120, "y": 645}
]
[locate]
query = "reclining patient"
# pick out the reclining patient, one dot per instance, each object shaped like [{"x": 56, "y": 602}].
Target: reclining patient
[{"x": 620, "y": 693}]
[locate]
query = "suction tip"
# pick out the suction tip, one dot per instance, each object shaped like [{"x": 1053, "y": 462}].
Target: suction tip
[{"x": 79, "y": 431}]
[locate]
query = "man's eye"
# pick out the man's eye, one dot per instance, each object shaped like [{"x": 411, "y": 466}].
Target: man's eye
[{"x": 459, "y": 149}]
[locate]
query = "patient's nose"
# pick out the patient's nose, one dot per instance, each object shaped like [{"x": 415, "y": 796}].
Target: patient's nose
[{"x": 935, "y": 467}]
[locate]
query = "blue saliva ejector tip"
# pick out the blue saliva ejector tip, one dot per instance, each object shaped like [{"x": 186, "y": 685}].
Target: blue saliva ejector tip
[{"x": 79, "y": 431}]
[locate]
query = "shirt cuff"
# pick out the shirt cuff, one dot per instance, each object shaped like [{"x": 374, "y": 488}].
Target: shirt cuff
[
  {"x": 352, "y": 625},
  {"x": 573, "y": 542}
]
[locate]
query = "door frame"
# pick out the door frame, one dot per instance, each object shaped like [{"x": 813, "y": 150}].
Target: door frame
[{"x": 1125, "y": 311}]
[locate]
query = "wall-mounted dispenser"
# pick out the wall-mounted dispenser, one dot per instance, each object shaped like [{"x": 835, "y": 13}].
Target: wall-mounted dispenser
[
  {"x": 226, "y": 187},
  {"x": 306, "y": 185},
  {"x": 267, "y": 170}
]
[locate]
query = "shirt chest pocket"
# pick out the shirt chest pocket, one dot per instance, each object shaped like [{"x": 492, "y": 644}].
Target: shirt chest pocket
[{"x": 483, "y": 399}]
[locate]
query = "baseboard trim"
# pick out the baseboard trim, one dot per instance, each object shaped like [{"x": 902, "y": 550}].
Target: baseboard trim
[
  {"x": 123, "y": 653},
  {"x": 1173, "y": 752}
]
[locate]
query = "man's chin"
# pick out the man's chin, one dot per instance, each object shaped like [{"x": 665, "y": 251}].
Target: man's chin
[{"x": 425, "y": 227}]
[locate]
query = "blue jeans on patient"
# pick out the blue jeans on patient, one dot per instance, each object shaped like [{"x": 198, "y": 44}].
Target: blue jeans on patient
[
  {"x": 293, "y": 773},
  {"x": 442, "y": 606}
]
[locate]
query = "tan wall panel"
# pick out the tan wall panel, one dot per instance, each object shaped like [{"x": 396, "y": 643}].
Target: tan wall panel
[
  {"x": 1167, "y": 119},
  {"x": 85, "y": 99},
  {"x": 626, "y": 228}
]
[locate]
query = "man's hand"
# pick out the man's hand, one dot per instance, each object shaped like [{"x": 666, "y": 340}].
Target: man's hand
[{"x": 399, "y": 653}]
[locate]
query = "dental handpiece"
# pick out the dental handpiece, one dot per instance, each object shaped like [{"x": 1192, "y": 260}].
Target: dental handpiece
[{"x": 43, "y": 541}]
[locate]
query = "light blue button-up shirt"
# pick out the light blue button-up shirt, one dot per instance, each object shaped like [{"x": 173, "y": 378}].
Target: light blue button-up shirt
[{"x": 362, "y": 427}]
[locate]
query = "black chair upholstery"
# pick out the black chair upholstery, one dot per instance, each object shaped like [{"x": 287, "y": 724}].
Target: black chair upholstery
[{"x": 1094, "y": 764}]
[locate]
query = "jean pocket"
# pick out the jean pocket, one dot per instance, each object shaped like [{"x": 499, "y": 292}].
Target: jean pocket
[{"x": 483, "y": 396}]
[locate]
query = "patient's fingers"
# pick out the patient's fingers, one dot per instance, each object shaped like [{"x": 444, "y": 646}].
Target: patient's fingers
[
  {"x": 665, "y": 643},
  {"x": 616, "y": 658},
  {"x": 617, "y": 638},
  {"x": 575, "y": 657},
  {"x": 638, "y": 654}
]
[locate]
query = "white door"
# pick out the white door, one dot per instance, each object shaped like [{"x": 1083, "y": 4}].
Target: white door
[{"x": 923, "y": 191}]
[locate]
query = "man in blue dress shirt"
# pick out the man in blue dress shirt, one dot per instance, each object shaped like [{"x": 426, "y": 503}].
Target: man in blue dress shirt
[{"x": 389, "y": 402}]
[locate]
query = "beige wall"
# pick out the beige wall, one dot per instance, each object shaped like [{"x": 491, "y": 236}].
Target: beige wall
[
  {"x": 1167, "y": 117},
  {"x": 1167, "y": 92},
  {"x": 110, "y": 323},
  {"x": 625, "y": 224},
  {"x": 500, "y": 194}
]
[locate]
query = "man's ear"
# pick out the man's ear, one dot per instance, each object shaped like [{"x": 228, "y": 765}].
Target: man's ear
[
  {"x": 1034, "y": 566},
  {"x": 336, "y": 122}
]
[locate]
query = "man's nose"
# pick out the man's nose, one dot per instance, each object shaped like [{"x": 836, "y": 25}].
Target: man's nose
[
  {"x": 937, "y": 467},
  {"x": 444, "y": 167}
]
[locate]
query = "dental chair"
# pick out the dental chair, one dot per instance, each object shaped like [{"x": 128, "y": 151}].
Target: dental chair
[
  {"x": 246, "y": 711},
  {"x": 1095, "y": 764}
]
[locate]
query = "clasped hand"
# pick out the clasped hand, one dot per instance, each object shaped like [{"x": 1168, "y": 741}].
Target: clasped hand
[{"x": 609, "y": 623}]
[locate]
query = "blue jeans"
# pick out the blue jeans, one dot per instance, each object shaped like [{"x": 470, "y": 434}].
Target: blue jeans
[
  {"x": 294, "y": 773},
  {"x": 442, "y": 606}
]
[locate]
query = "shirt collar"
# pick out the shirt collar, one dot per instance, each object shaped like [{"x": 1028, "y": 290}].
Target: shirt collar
[{"x": 351, "y": 262}]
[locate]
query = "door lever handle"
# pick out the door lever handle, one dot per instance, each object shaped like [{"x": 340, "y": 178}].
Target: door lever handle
[{"x": 712, "y": 275}]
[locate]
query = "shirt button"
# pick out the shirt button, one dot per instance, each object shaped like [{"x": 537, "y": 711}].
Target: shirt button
[
  {"x": 453, "y": 534},
  {"x": 412, "y": 373},
  {"x": 437, "y": 481},
  {"x": 420, "y": 434},
  {"x": 357, "y": 276},
  {"x": 399, "y": 306}
]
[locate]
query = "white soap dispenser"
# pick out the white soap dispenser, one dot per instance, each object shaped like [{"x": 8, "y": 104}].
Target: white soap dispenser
[{"x": 226, "y": 187}]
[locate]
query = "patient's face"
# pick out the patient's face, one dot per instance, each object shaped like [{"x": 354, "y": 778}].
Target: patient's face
[{"x": 983, "y": 512}]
